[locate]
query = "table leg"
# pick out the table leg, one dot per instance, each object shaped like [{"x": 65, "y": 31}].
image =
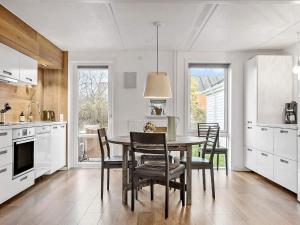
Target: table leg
[
  {"x": 125, "y": 175},
  {"x": 189, "y": 175}
]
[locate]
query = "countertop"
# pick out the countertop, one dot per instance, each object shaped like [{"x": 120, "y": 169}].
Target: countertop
[
  {"x": 283, "y": 126},
  {"x": 29, "y": 124}
]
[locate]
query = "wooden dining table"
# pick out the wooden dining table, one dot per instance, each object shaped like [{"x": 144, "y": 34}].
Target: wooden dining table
[{"x": 182, "y": 143}]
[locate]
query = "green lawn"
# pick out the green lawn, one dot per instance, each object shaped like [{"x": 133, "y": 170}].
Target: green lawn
[{"x": 221, "y": 157}]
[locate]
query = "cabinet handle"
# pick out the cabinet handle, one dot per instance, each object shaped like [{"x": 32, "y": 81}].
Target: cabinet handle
[
  {"x": 54, "y": 127},
  {"x": 249, "y": 127},
  {"x": 3, "y": 170},
  {"x": 283, "y": 131},
  {"x": 7, "y": 72},
  {"x": 23, "y": 178},
  {"x": 3, "y": 134},
  {"x": 3, "y": 152},
  {"x": 284, "y": 161},
  {"x": 250, "y": 150},
  {"x": 62, "y": 126},
  {"x": 264, "y": 129},
  {"x": 264, "y": 154},
  {"x": 249, "y": 122},
  {"x": 29, "y": 79}
]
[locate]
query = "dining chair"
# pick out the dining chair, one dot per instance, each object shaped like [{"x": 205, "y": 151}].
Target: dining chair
[
  {"x": 107, "y": 161},
  {"x": 220, "y": 150},
  {"x": 156, "y": 172},
  {"x": 207, "y": 164}
]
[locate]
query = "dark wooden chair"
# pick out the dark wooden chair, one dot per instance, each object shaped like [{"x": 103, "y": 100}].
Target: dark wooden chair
[
  {"x": 155, "y": 171},
  {"x": 220, "y": 150},
  {"x": 107, "y": 161},
  {"x": 207, "y": 164}
]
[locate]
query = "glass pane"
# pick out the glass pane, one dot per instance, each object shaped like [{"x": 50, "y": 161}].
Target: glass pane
[
  {"x": 206, "y": 96},
  {"x": 92, "y": 110}
]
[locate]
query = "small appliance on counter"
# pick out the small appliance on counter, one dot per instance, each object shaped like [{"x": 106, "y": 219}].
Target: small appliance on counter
[
  {"x": 48, "y": 115},
  {"x": 291, "y": 112},
  {"x": 3, "y": 111}
]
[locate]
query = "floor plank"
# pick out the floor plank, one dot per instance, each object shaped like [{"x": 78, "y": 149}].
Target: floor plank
[{"x": 73, "y": 198}]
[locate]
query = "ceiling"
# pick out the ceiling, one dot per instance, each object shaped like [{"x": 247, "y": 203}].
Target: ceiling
[{"x": 83, "y": 25}]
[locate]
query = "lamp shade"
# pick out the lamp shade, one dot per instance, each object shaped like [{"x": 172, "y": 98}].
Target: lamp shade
[{"x": 158, "y": 86}]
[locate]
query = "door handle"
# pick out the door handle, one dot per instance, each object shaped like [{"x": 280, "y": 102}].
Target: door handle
[
  {"x": 250, "y": 122},
  {"x": 250, "y": 150},
  {"x": 249, "y": 127},
  {"x": 3, "y": 170},
  {"x": 3, "y": 134},
  {"x": 7, "y": 72},
  {"x": 264, "y": 154},
  {"x": 264, "y": 129},
  {"x": 29, "y": 79},
  {"x": 23, "y": 178},
  {"x": 284, "y": 161},
  {"x": 3, "y": 152},
  {"x": 283, "y": 131}
]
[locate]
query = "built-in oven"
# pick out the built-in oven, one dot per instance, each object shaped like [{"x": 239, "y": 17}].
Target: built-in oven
[{"x": 23, "y": 151}]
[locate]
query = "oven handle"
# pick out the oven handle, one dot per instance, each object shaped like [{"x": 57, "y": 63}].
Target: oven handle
[{"x": 25, "y": 141}]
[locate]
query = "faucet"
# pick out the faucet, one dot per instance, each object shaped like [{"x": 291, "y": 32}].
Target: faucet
[{"x": 29, "y": 109}]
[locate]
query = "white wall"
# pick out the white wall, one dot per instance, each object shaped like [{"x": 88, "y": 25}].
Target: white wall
[{"x": 129, "y": 104}]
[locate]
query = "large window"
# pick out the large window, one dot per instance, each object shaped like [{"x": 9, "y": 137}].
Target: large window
[{"x": 207, "y": 95}]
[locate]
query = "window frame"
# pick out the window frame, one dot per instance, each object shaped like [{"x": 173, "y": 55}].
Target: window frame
[{"x": 188, "y": 65}]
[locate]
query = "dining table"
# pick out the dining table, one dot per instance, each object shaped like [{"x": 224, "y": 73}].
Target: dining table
[{"x": 183, "y": 144}]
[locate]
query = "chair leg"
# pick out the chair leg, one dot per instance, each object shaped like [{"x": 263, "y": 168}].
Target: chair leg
[
  {"x": 132, "y": 193},
  {"x": 212, "y": 182},
  {"x": 102, "y": 181},
  {"x": 182, "y": 190},
  {"x": 137, "y": 192},
  {"x": 167, "y": 201},
  {"x": 108, "y": 173},
  {"x": 151, "y": 190},
  {"x": 226, "y": 163},
  {"x": 218, "y": 161},
  {"x": 204, "y": 179}
]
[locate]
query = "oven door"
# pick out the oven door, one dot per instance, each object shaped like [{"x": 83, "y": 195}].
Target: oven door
[{"x": 23, "y": 156}]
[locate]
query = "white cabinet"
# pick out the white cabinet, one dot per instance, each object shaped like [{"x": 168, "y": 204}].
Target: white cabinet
[
  {"x": 5, "y": 138},
  {"x": 264, "y": 139},
  {"x": 23, "y": 182},
  {"x": 6, "y": 190},
  {"x": 58, "y": 147},
  {"x": 264, "y": 164},
  {"x": 285, "y": 173},
  {"x": 5, "y": 156},
  {"x": 9, "y": 62},
  {"x": 251, "y": 92},
  {"x": 250, "y": 132},
  {"x": 250, "y": 158},
  {"x": 28, "y": 70},
  {"x": 285, "y": 143}
]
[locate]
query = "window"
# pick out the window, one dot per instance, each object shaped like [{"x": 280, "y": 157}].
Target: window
[{"x": 207, "y": 92}]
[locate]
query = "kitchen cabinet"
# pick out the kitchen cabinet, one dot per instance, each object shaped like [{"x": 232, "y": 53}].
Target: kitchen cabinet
[
  {"x": 9, "y": 62},
  {"x": 264, "y": 139},
  {"x": 250, "y": 132},
  {"x": 5, "y": 138},
  {"x": 28, "y": 70},
  {"x": 23, "y": 182},
  {"x": 264, "y": 164},
  {"x": 250, "y": 158},
  {"x": 285, "y": 173},
  {"x": 6, "y": 191},
  {"x": 5, "y": 156},
  {"x": 285, "y": 143},
  {"x": 265, "y": 91},
  {"x": 58, "y": 147}
]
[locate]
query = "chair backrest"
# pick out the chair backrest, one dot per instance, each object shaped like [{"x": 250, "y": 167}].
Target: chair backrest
[
  {"x": 211, "y": 141},
  {"x": 203, "y": 129},
  {"x": 103, "y": 143},
  {"x": 149, "y": 143}
]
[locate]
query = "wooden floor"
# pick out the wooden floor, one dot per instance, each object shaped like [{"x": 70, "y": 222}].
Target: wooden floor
[{"x": 73, "y": 197}]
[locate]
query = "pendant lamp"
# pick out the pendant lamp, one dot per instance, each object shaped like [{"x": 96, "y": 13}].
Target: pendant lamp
[
  {"x": 296, "y": 69},
  {"x": 158, "y": 83}
]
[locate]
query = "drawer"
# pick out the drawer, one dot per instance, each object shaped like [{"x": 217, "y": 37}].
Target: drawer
[
  {"x": 250, "y": 136},
  {"x": 21, "y": 183},
  {"x": 285, "y": 143},
  {"x": 264, "y": 164},
  {"x": 5, "y": 181},
  {"x": 285, "y": 173},
  {"x": 250, "y": 158},
  {"x": 5, "y": 138},
  {"x": 264, "y": 139},
  {"x": 5, "y": 156},
  {"x": 43, "y": 129}
]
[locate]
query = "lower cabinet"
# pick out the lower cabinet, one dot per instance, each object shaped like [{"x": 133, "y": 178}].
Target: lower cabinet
[
  {"x": 250, "y": 158},
  {"x": 23, "y": 182},
  {"x": 264, "y": 164},
  {"x": 6, "y": 183},
  {"x": 285, "y": 173}
]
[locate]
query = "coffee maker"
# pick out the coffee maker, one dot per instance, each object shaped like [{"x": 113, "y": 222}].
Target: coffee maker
[{"x": 291, "y": 112}]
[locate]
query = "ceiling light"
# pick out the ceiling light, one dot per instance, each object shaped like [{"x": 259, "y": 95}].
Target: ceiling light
[
  {"x": 296, "y": 69},
  {"x": 158, "y": 83}
]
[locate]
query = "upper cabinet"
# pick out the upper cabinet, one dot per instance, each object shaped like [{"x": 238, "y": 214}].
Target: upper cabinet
[
  {"x": 28, "y": 70},
  {"x": 17, "y": 66},
  {"x": 9, "y": 62},
  {"x": 268, "y": 86}
]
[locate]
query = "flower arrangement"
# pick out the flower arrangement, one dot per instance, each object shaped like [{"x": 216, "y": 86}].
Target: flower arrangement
[{"x": 149, "y": 127}]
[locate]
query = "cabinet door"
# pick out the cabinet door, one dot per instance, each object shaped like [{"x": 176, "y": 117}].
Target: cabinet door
[
  {"x": 55, "y": 148},
  {"x": 250, "y": 158},
  {"x": 5, "y": 180},
  {"x": 28, "y": 70},
  {"x": 5, "y": 138},
  {"x": 5, "y": 156},
  {"x": 9, "y": 62},
  {"x": 250, "y": 138},
  {"x": 62, "y": 145},
  {"x": 23, "y": 182},
  {"x": 285, "y": 143},
  {"x": 264, "y": 164},
  {"x": 264, "y": 139},
  {"x": 285, "y": 173},
  {"x": 251, "y": 92}
]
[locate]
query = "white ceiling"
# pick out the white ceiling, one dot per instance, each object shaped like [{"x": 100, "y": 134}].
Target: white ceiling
[{"x": 209, "y": 25}]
